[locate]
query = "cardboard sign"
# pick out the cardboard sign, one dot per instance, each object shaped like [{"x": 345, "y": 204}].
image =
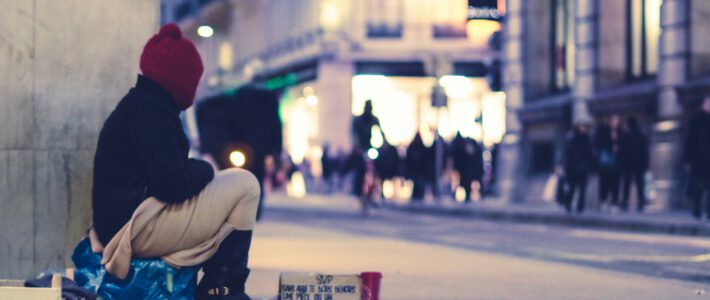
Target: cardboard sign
[{"x": 314, "y": 286}]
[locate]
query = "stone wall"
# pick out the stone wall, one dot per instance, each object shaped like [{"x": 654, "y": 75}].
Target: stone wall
[{"x": 63, "y": 67}]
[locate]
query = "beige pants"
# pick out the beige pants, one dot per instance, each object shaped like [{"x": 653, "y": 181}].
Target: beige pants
[{"x": 188, "y": 233}]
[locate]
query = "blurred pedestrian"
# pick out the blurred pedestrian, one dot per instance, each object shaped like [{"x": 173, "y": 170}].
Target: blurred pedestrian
[
  {"x": 387, "y": 162},
  {"x": 608, "y": 142},
  {"x": 468, "y": 162},
  {"x": 362, "y": 127},
  {"x": 697, "y": 157},
  {"x": 358, "y": 165},
  {"x": 435, "y": 163},
  {"x": 327, "y": 167},
  {"x": 150, "y": 199},
  {"x": 341, "y": 169},
  {"x": 634, "y": 163},
  {"x": 578, "y": 162},
  {"x": 416, "y": 164}
]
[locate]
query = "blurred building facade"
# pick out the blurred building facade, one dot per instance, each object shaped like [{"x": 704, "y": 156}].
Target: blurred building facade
[
  {"x": 328, "y": 57},
  {"x": 568, "y": 60}
]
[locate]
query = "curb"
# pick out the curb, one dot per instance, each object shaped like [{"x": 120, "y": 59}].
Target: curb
[{"x": 690, "y": 228}]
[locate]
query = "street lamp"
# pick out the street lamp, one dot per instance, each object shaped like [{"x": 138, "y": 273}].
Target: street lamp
[{"x": 205, "y": 31}]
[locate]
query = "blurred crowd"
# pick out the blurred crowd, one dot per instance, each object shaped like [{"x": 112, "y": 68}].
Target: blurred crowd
[
  {"x": 617, "y": 151},
  {"x": 461, "y": 169}
]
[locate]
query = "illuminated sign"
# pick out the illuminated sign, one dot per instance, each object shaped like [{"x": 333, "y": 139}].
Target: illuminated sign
[{"x": 483, "y": 10}]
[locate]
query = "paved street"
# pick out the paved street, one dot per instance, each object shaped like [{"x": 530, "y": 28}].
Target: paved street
[{"x": 426, "y": 257}]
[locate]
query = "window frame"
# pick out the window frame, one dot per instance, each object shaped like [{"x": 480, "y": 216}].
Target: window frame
[
  {"x": 645, "y": 73},
  {"x": 554, "y": 34}
]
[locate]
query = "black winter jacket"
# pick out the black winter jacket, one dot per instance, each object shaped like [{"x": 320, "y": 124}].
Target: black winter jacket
[
  {"x": 634, "y": 152},
  {"x": 142, "y": 152},
  {"x": 578, "y": 156}
]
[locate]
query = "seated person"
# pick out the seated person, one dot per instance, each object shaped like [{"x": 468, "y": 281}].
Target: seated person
[{"x": 150, "y": 199}]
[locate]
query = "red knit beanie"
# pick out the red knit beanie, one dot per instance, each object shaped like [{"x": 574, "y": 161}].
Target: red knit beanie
[{"x": 173, "y": 62}]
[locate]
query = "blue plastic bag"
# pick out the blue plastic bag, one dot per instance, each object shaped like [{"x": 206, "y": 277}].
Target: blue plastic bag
[{"x": 149, "y": 278}]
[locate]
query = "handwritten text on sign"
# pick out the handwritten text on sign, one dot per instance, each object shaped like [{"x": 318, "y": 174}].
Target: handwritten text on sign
[{"x": 312, "y": 286}]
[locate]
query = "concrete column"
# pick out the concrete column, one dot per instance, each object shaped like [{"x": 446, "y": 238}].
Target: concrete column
[
  {"x": 511, "y": 175},
  {"x": 334, "y": 90},
  {"x": 666, "y": 147},
  {"x": 586, "y": 42},
  {"x": 63, "y": 67}
]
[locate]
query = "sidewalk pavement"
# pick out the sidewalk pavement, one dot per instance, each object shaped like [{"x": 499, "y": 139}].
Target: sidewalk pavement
[{"x": 492, "y": 209}]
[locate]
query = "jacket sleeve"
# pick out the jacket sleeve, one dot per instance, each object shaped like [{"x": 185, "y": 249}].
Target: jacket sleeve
[{"x": 172, "y": 177}]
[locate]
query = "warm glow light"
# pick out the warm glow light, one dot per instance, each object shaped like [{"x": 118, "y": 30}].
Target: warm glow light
[
  {"x": 376, "y": 139},
  {"x": 372, "y": 153},
  {"x": 297, "y": 186},
  {"x": 330, "y": 15},
  {"x": 457, "y": 86},
  {"x": 405, "y": 190},
  {"x": 427, "y": 135},
  {"x": 237, "y": 158},
  {"x": 494, "y": 118},
  {"x": 225, "y": 56},
  {"x": 653, "y": 32},
  {"x": 315, "y": 154},
  {"x": 205, "y": 31},
  {"x": 299, "y": 128},
  {"x": 665, "y": 126},
  {"x": 460, "y": 194},
  {"x": 480, "y": 31},
  {"x": 394, "y": 103},
  {"x": 388, "y": 189},
  {"x": 312, "y": 100}
]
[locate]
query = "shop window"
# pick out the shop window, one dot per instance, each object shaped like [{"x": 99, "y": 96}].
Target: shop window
[
  {"x": 384, "y": 18},
  {"x": 563, "y": 22},
  {"x": 449, "y": 19},
  {"x": 643, "y": 34},
  {"x": 543, "y": 158}
]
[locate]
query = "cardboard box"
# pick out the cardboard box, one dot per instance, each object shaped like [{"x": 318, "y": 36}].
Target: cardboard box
[
  {"x": 316, "y": 286},
  {"x": 14, "y": 289}
]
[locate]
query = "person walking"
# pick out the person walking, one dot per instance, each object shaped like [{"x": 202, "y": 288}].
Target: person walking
[
  {"x": 361, "y": 133},
  {"x": 327, "y": 163},
  {"x": 362, "y": 127},
  {"x": 468, "y": 162},
  {"x": 435, "y": 164},
  {"x": 387, "y": 162},
  {"x": 416, "y": 163},
  {"x": 358, "y": 164},
  {"x": 697, "y": 157},
  {"x": 151, "y": 200},
  {"x": 607, "y": 142},
  {"x": 578, "y": 161},
  {"x": 634, "y": 164}
]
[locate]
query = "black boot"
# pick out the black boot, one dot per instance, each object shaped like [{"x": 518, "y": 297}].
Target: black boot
[{"x": 226, "y": 272}]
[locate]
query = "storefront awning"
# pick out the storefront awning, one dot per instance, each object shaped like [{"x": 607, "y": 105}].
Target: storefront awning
[
  {"x": 416, "y": 68},
  {"x": 390, "y": 68}
]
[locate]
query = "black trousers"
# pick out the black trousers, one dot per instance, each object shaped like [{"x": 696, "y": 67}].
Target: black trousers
[
  {"x": 418, "y": 188},
  {"x": 701, "y": 189},
  {"x": 465, "y": 183},
  {"x": 636, "y": 178},
  {"x": 609, "y": 181},
  {"x": 578, "y": 184}
]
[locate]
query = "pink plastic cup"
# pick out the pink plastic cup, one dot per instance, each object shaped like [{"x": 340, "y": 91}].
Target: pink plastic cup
[{"x": 370, "y": 285}]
